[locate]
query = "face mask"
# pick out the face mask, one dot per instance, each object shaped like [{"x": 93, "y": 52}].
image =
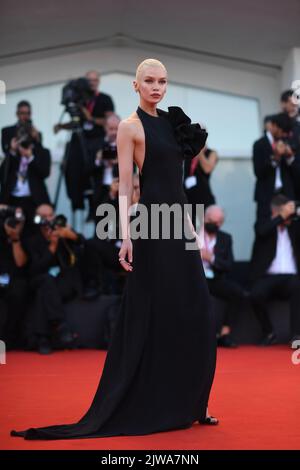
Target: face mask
[{"x": 211, "y": 227}]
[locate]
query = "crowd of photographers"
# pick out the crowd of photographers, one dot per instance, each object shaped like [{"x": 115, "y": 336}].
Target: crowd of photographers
[{"x": 45, "y": 263}]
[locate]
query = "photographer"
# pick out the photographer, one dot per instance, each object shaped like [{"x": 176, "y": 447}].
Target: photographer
[
  {"x": 55, "y": 277},
  {"x": 24, "y": 169},
  {"x": 275, "y": 265},
  {"x": 276, "y": 164},
  {"x": 94, "y": 107},
  {"x": 23, "y": 114},
  {"x": 106, "y": 162},
  {"x": 94, "y": 111},
  {"x": 291, "y": 108},
  {"x": 13, "y": 285}
]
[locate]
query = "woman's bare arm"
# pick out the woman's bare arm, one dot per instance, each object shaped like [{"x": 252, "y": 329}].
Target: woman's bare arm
[
  {"x": 208, "y": 164},
  {"x": 125, "y": 147}
]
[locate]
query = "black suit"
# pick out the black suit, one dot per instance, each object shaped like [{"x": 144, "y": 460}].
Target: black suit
[
  {"x": 50, "y": 291},
  {"x": 223, "y": 255},
  {"x": 296, "y": 145},
  {"x": 221, "y": 287},
  {"x": 14, "y": 296},
  {"x": 265, "y": 173},
  {"x": 201, "y": 193},
  {"x": 264, "y": 249},
  {"x": 267, "y": 286},
  {"x": 38, "y": 171},
  {"x": 7, "y": 134}
]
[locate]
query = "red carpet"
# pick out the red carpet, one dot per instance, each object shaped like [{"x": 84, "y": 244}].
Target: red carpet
[{"x": 256, "y": 395}]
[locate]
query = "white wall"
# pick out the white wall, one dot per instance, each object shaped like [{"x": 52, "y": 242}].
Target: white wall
[{"x": 291, "y": 68}]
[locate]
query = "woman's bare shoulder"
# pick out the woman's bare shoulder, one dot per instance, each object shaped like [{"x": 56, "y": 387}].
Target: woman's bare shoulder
[{"x": 130, "y": 124}]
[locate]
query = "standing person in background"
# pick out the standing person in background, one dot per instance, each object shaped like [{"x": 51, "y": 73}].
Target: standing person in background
[
  {"x": 25, "y": 167},
  {"x": 79, "y": 167},
  {"x": 197, "y": 174},
  {"x": 291, "y": 108},
  {"x": 276, "y": 165},
  {"x": 24, "y": 120}
]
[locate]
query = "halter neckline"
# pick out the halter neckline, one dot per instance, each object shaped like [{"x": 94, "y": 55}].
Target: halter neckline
[{"x": 150, "y": 115}]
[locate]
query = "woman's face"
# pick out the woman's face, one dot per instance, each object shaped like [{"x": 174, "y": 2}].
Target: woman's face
[{"x": 152, "y": 84}]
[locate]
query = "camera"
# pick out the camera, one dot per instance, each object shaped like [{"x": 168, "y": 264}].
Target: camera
[
  {"x": 109, "y": 151},
  {"x": 58, "y": 221},
  {"x": 76, "y": 93},
  {"x": 23, "y": 136},
  {"x": 290, "y": 142},
  {"x": 11, "y": 216}
]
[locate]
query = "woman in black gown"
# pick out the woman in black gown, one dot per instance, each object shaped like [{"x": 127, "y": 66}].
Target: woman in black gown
[{"x": 161, "y": 358}]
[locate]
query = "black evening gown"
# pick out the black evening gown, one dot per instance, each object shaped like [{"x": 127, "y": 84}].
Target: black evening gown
[{"x": 161, "y": 359}]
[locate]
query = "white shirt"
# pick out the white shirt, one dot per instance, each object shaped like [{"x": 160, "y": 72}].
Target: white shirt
[
  {"x": 278, "y": 180},
  {"x": 108, "y": 175},
  {"x": 209, "y": 243},
  {"x": 22, "y": 188},
  {"x": 284, "y": 261},
  {"x": 289, "y": 161}
]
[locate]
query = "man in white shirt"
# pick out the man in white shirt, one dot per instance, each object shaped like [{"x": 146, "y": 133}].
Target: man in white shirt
[{"x": 275, "y": 265}]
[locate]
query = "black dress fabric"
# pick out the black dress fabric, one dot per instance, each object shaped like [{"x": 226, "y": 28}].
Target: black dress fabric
[
  {"x": 161, "y": 359},
  {"x": 201, "y": 193}
]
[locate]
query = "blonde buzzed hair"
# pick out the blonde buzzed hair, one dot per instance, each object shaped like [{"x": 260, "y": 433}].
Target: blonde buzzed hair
[{"x": 148, "y": 63}]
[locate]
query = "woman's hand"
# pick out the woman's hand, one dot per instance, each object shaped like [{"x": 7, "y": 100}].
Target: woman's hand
[
  {"x": 198, "y": 240},
  {"x": 126, "y": 251}
]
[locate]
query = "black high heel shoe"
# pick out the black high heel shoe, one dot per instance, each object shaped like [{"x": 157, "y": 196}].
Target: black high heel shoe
[{"x": 211, "y": 420}]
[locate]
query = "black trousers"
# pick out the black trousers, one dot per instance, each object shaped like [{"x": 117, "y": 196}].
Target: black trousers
[
  {"x": 277, "y": 286},
  {"x": 229, "y": 291},
  {"x": 13, "y": 305},
  {"x": 50, "y": 295}
]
